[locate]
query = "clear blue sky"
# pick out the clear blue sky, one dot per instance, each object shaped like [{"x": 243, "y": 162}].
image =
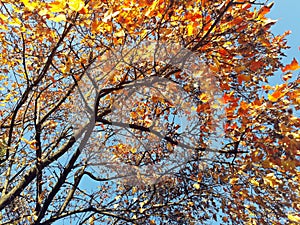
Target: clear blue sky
[{"x": 287, "y": 12}]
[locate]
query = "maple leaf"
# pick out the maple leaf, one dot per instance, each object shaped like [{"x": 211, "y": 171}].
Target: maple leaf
[
  {"x": 76, "y": 5},
  {"x": 254, "y": 182},
  {"x": 255, "y": 65},
  {"x": 278, "y": 93},
  {"x": 196, "y": 186},
  {"x": 59, "y": 18},
  {"x": 294, "y": 218},
  {"x": 120, "y": 33},
  {"x": 190, "y": 29},
  {"x": 292, "y": 66},
  {"x": 242, "y": 77},
  {"x": 56, "y": 6}
]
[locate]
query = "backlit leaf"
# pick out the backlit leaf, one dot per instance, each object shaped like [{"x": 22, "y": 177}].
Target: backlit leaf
[
  {"x": 76, "y": 5},
  {"x": 59, "y": 18},
  {"x": 292, "y": 66},
  {"x": 294, "y": 218}
]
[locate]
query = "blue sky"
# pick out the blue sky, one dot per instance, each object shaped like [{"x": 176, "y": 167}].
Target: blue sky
[{"x": 287, "y": 12}]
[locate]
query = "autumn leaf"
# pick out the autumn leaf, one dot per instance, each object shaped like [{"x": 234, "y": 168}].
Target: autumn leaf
[
  {"x": 244, "y": 105},
  {"x": 31, "y": 143},
  {"x": 292, "y": 66},
  {"x": 263, "y": 11},
  {"x": 120, "y": 33},
  {"x": 271, "y": 180},
  {"x": 190, "y": 29},
  {"x": 204, "y": 97},
  {"x": 254, "y": 182},
  {"x": 255, "y": 65},
  {"x": 294, "y": 218},
  {"x": 76, "y": 5},
  {"x": 196, "y": 186},
  {"x": 30, "y": 5},
  {"x": 133, "y": 150},
  {"x": 152, "y": 8},
  {"x": 59, "y": 18},
  {"x": 56, "y": 6},
  {"x": 278, "y": 93},
  {"x": 152, "y": 222},
  {"x": 109, "y": 15},
  {"x": 242, "y": 78},
  {"x": 233, "y": 180}
]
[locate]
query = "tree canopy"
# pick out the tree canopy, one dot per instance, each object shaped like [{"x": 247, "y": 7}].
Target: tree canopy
[{"x": 146, "y": 112}]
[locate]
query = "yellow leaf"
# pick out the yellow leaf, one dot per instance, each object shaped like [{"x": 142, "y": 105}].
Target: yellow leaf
[
  {"x": 254, "y": 182},
  {"x": 134, "y": 190},
  {"x": 151, "y": 8},
  {"x": 203, "y": 97},
  {"x": 57, "y": 6},
  {"x": 271, "y": 180},
  {"x": 133, "y": 150},
  {"x": 294, "y": 218},
  {"x": 120, "y": 33},
  {"x": 196, "y": 186},
  {"x": 43, "y": 12},
  {"x": 67, "y": 66},
  {"x": 92, "y": 220},
  {"x": 76, "y": 5},
  {"x": 30, "y": 143},
  {"x": 233, "y": 180},
  {"x": 15, "y": 22},
  {"x": 190, "y": 29},
  {"x": 59, "y": 18},
  {"x": 278, "y": 93},
  {"x": 190, "y": 203},
  {"x": 109, "y": 15},
  {"x": 2, "y": 77},
  {"x": 271, "y": 98},
  {"x": 29, "y": 5},
  {"x": 3, "y": 17}
]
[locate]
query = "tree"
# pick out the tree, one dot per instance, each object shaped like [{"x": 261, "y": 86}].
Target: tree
[{"x": 146, "y": 112}]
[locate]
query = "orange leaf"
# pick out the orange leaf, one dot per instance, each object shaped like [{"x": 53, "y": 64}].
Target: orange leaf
[
  {"x": 233, "y": 180},
  {"x": 244, "y": 105},
  {"x": 292, "y": 66},
  {"x": 263, "y": 11},
  {"x": 225, "y": 219},
  {"x": 278, "y": 93},
  {"x": 84, "y": 10},
  {"x": 256, "y": 65},
  {"x": 242, "y": 78},
  {"x": 246, "y": 6},
  {"x": 229, "y": 97}
]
